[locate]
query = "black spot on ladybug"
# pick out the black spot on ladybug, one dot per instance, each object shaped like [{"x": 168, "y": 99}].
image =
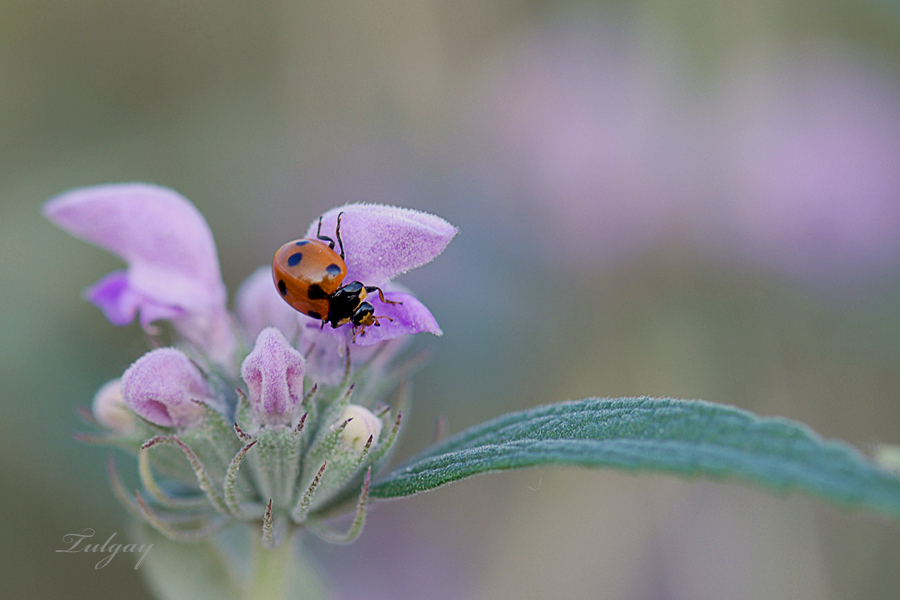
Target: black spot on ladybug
[
  {"x": 316, "y": 292},
  {"x": 302, "y": 242},
  {"x": 294, "y": 259},
  {"x": 282, "y": 287},
  {"x": 332, "y": 269},
  {"x": 313, "y": 314}
]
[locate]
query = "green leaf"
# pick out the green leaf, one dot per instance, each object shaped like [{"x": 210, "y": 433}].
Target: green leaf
[{"x": 682, "y": 437}]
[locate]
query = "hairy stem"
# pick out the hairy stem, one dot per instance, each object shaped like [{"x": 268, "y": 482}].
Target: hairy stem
[{"x": 270, "y": 570}]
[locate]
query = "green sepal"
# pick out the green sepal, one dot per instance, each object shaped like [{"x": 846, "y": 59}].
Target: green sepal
[
  {"x": 243, "y": 415},
  {"x": 214, "y": 442},
  {"x": 276, "y": 462},
  {"x": 166, "y": 460},
  {"x": 340, "y": 501},
  {"x": 324, "y": 434},
  {"x": 329, "y": 402},
  {"x": 343, "y": 464}
]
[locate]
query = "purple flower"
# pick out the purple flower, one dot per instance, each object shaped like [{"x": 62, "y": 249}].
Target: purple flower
[
  {"x": 288, "y": 362},
  {"x": 166, "y": 388},
  {"x": 173, "y": 274},
  {"x": 274, "y": 374},
  {"x": 381, "y": 242},
  {"x": 173, "y": 270}
]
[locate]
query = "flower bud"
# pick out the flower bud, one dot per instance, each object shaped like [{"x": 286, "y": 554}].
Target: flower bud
[
  {"x": 164, "y": 386},
  {"x": 363, "y": 425},
  {"x": 274, "y": 374},
  {"x": 110, "y": 409}
]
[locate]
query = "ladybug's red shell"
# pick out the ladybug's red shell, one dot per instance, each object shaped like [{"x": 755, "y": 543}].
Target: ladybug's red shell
[{"x": 307, "y": 272}]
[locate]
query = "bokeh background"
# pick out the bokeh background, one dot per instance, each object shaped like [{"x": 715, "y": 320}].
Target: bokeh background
[{"x": 689, "y": 198}]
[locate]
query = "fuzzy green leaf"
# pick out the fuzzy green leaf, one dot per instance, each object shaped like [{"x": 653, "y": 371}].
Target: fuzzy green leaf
[{"x": 681, "y": 437}]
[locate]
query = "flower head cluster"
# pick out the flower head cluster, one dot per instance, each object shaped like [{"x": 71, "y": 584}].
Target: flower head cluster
[{"x": 260, "y": 414}]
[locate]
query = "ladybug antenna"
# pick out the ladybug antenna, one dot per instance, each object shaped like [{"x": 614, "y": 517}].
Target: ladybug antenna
[
  {"x": 325, "y": 238},
  {"x": 337, "y": 233}
]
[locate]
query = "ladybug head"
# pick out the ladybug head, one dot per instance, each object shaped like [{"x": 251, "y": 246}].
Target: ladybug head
[{"x": 363, "y": 315}]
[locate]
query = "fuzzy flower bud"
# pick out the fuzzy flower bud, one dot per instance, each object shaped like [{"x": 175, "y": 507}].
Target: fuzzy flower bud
[
  {"x": 363, "y": 425},
  {"x": 110, "y": 409},
  {"x": 274, "y": 374},
  {"x": 164, "y": 387}
]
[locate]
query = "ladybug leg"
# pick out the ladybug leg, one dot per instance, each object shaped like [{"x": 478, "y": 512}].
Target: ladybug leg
[
  {"x": 325, "y": 238},
  {"x": 361, "y": 329},
  {"x": 371, "y": 288}
]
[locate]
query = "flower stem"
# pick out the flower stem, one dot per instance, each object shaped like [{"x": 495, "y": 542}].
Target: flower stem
[{"x": 270, "y": 569}]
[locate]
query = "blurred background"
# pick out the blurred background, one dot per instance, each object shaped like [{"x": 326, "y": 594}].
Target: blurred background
[{"x": 690, "y": 198}]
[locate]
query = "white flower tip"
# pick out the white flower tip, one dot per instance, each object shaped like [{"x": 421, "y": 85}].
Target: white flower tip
[
  {"x": 363, "y": 424},
  {"x": 888, "y": 456},
  {"x": 110, "y": 409}
]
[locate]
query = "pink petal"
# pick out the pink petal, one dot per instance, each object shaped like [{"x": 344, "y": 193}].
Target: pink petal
[
  {"x": 381, "y": 242},
  {"x": 166, "y": 242},
  {"x": 409, "y": 317},
  {"x": 173, "y": 271},
  {"x": 324, "y": 351},
  {"x": 259, "y": 305},
  {"x": 120, "y": 303}
]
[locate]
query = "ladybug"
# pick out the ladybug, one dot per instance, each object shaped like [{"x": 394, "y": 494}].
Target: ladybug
[{"x": 308, "y": 274}]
